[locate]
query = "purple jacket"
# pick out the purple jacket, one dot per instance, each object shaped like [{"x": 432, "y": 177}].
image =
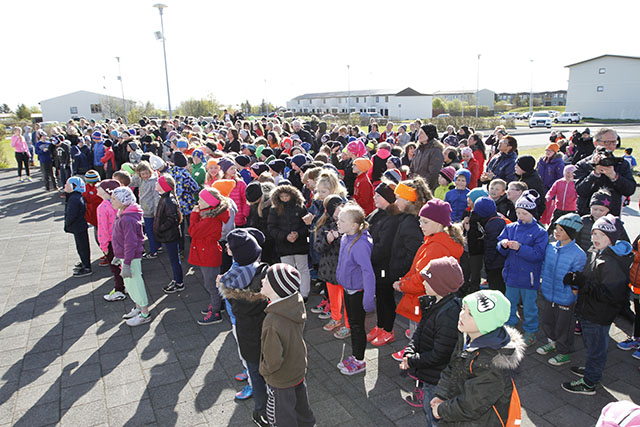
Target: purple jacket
[
  {"x": 550, "y": 171},
  {"x": 127, "y": 238},
  {"x": 354, "y": 270}
]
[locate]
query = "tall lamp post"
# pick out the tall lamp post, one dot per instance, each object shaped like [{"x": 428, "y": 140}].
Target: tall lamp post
[
  {"x": 124, "y": 102},
  {"x": 477, "y": 85},
  {"x": 160, "y": 8},
  {"x": 348, "y": 92},
  {"x": 531, "y": 92}
]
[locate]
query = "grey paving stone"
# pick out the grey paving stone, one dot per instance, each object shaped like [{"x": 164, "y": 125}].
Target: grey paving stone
[
  {"x": 75, "y": 374},
  {"x": 123, "y": 374},
  {"x": 126, "y": 393},
  {"x": 163, "y": 374},
  {"x": 183, "y": 414},
  {"x": 569, "y": 416},
  {"x": 132, "y": 414},
  {"x": 35, "y": 416},
  {"x": 170, "y": 394},
  {"x": 82, "y": 393}
]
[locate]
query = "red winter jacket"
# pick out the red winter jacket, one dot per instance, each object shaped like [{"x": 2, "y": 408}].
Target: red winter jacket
[
  {"x": 363, "y": 193},
  {"x": 92, "y": 201},
  {"x": 205, "y": 230}
]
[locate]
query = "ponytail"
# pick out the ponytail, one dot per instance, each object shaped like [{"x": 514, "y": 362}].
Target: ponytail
[{"x": 455, "y": 232}]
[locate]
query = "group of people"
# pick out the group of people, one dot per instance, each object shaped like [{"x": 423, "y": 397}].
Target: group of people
[{"x": 460, "y": 227}]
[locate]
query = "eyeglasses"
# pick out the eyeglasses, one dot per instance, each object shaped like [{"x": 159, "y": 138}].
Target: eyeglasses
[{"x": 611, "y": 142}]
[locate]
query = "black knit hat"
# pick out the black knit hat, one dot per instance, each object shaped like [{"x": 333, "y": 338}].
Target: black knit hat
[
  {"x": 601, "y": 197},
  {"x": 332, "y": 202},
  {"x": 253, "y": 192},
  {"x": 527, "y": 163},
  {"x": 245, "y": 244},
  {"x": 179, "y": 159},
  {"x": 527, "y": 201},
  {"x": 284, "y": 279},
  {"x": 386, "y": 192}
]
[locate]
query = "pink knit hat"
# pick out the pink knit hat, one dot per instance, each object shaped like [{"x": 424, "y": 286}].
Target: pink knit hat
[{"x": 437, "y": 210}]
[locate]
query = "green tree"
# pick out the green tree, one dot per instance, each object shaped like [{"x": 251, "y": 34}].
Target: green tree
[
  {"x": 4, "y": 108},
  {"x": 35, "y": 109},
  {"x": 438, "y": 104},
  {"x": 23, "y": 112}
]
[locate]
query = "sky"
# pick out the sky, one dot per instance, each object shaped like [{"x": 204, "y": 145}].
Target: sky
[{"x": 253, "y": 50}]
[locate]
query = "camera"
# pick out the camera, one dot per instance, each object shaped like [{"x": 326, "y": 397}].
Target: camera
[{"x": 607, "y": 158}]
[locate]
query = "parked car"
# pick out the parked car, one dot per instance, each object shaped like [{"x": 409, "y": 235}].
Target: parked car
[
  {"x": 377, "y": 117},
  {"x": 525, "y": 115},
  {"x": 540, "y": 119},
  {"x": 506, "y": 116},
  {"x": 568, "y": 117},
  {"x": 328, "y": 117},
  {"x": 443, "y": 116}
]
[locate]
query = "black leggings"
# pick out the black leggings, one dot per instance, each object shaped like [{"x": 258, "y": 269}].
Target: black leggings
[
  {"x": 385, "y": 304},
  {"x": 356, "y": 315},
  {"x": 636, "y": 323},
  {"x": 23, "y": 160}
]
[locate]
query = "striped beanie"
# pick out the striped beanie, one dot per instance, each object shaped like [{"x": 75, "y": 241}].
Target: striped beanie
[
  {"x": 96, "y": 136},
  {"x": 91, "y": 176},
  {"x": 284, "y": 279}
]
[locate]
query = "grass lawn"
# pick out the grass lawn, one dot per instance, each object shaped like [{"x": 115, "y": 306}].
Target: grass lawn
[{"x": 7, "y": 159}]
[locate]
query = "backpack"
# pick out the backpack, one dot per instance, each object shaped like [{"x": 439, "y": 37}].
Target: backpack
[{"x": 514, "y": 417}]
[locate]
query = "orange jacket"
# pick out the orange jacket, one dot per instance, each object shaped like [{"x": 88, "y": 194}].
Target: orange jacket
[
  {"x": 634, "y": 273},
  {"x": 435, "y": 246}
]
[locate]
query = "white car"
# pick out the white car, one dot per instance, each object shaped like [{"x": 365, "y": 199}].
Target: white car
[
  {"x": 540, "y": 119},
  {"x": 568, "y": 117},
  {"x": 506, "y": 116}
]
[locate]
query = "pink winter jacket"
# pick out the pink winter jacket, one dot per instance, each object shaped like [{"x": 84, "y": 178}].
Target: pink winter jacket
[
  {"x": 238, "y": 195},
  {"x": 106, "y": 216},
  {"x": 19, "y": 144},
  {"x": 565, "y": 194}
]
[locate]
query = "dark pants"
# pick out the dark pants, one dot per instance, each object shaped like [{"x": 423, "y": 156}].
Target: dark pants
[
  {"x": 184, "y": 227},
  {"x": 100, "y": 170},
  {"x": 471, "y": 269},
  {"x": 259, "y": 388},
  {"x": 385, "y": 304},
  {"x": 596, "y": 342},
  {"x": 636, "y": 323},
  {"x": 209, "y": 275},
  {"x": 174, "y": 258},
  {"x": 115, "y": 270},
  {"x": 82, "y": 246},
  {"x": 495, "y": 280},
  {"x": 148, "y": 230},
  {"x": 64, "y": 174},
  {"x": 558, "y": 324},
  {"x": 226, "y": 259},
  {"x": 48, "y": 176},
  {"x": 356, "y": 314},
  {"x": 289, "y": 407},
  {"x": 23, "y": 161}
]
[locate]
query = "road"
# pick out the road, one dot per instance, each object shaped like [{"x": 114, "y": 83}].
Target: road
[{"x": 540, "y": 136}]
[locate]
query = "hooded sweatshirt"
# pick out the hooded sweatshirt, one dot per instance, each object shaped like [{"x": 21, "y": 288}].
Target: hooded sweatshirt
[
  {"x": 283, "y": 362},
  {"x": 127, "y": 238},
  {"x": 106, "y": 217},
  {"x": 147, "y": 193},
  {"x": 354, "y": 270}
]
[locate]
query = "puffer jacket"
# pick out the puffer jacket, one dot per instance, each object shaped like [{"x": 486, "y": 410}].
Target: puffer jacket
[
  {"x": 427, "y": 162},
  {"x": 147, "y": 193},
  {"x": 285, "y": 218},
  {"x": 476, "y": 383},
  {"x": 550, "y": 171},
  {"x": 238, "y": 195},
  {"x": 92, "y": 201},
  {"x": 383, "y": 225},
  {"x": 457, "y": 199},
  {"x": 565, "y": 195},
  {"x": 205, "y": 229},
  {"x": 433, "y": 342},
  {"x": 186, "y": 189},
  {"x": 166, "y": 223},
  {"x": 354, "y": 270},
  {"x": 503, "y": 166},
  {"x": 492, "y": 227},
  {"x": 406, "y": 243},
  {"x": 127, "y": 237},
  {"x": 328, "y": 262},
  {"x": 522, "y": 267},
  {"x": 634, "y": 273},
  {"x": 74, "y": 213},
  {"x": 411, "y": 285},
  {"x": 606, "y": 281},
  {"x": 558, "y": 261},
  {"x": 534, "y": 182},
  {"x": 583, "y": 239}
]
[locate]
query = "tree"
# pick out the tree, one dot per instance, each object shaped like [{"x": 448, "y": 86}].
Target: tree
[
  {"x": 438, "y": 104},
  {"x": 200, "y": 107},
  {"x": 35, "y": 109},
  {"x": 4, "y": 108},
  {"x": 23, "y": 112}
]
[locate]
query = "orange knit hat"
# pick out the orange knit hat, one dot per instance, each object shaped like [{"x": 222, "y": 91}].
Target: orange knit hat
[
  {"x": 212, "y": 162},
  {"x": 553, "y": 146},
  {"x": 406, "y": 192},
  {"x": 224, "y": 186},
  {"x": 363, "y": 164}
]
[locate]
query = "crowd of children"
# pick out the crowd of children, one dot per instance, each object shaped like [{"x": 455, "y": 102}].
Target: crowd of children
[{"x": 272, "y": 211}]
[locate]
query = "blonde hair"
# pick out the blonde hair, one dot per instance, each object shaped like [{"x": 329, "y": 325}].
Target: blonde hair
[
  {"x": 330, "y": 179},
  {"x": 356, "y": 213},
  {"x": 455, "y": 232},
  {"x": 143, "y": 166},
  {"x": 312, "y": 173},
  {"x": 422, "y": 191},
  {"x": 500, "y": 182}
]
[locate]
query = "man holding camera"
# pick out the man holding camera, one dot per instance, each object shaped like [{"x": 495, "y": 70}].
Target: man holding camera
[{"x": 603, "y": 170}]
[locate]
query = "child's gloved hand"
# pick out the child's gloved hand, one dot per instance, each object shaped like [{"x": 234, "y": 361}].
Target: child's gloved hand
[
  {"x": 116, "y": 261},
  {"x": 568, "y": 279},
  {"x": 578, "y": 279},
  {"x": 126, "y": 272}
]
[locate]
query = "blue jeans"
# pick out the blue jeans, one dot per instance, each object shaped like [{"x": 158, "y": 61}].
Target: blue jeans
[
  {"x": 148, "y": 230},
  {"x": 174, "y": 256},
  {"x": 596, "y": 342},
  {"x": 530, "y": 308},
  {"x": 259, "y": 388},
  {"x": 429, "y": 393}
]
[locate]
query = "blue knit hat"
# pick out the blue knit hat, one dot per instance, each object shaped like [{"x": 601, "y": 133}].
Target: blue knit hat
[
  {"x": 181, "y": 143},
  {"x": 464, "y": 172},
  {"x": 77, "y": 184},
  {"x": 96, "y": 136},
  {"x": 477, "y": 193},
  {"x": 198, "y": 153},
  {"x": 485, "y": 207},
  {"x": 571, "y": 223}
]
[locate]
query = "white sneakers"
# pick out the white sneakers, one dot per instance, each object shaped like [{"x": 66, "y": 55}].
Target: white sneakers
[
  {"x": 139, "y": 320},
  {"x": 133, "y": 313},
  {"x": 114, "y": 296}
]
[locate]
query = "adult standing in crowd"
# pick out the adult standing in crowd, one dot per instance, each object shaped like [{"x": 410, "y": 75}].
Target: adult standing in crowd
[
  {"x": 22, "y": 152},
  {"x": 602, "y": 170},
  {"x": 503, "y": 164},
  {"x": 429, "y": 156}
]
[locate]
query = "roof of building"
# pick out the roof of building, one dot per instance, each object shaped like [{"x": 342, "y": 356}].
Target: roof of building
[
  {"x": 535, "y": 93},
  {"x": 369, "y": 92},
  {"x": 84, "y": 92},
  {"x": 457, "y": 92},
  {"x": 602, "y": 56}
]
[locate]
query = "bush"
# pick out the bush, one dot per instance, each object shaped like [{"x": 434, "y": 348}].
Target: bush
[
  {"x": 3, "y": 131},
  {"x": 480, "y": 123}
]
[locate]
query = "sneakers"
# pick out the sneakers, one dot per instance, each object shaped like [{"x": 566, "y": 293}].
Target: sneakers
[
  {"x": 636, "y": 354},
  {"x": 114, "y": 296},
  {"x": 173, "y": 287},
  {"x": 560, "y": 359},
  {"x": 407, "y": 334},
  {"x": 104, "y": 262},
  {"x": 139, "y": 320},
  {"x": 333, "y": 324},
  {"x": 353, "y": 366},
  {"x": 28, "y": 178},
  {"x": 133, "y": 313},
  {"x": 398, "y": 355},
  {"x": 20, "y": 179},
  {"x": 373, "y": 334},
  {"x": 326, "y": 314},
  {"x": 259, "y": 420},
  {"x": 342, "y": 333},
  {"x": 211, "y": 318},
  {"x": 416, "y": 399},
  {"x": 245, "y": 393},
  {"x": 630, "y": 343},
  {"x": 547, "y": 348},
  {"x": 577, "y": 370},
  {"x": 207, "y": 310},
  {"x": 384, "y": 338},
  {"x": 320, "y": 307},
  {"x": 529, "y": 338},
  {"x": 78, "y": 265},
  {"x": 149, "y": 255},
  {"x": 578, "y": 329},
  {"x": 82, "y": 272},
  {"x": 344, "y": 362},
  {"x": 242, "y": 376},
  {"x": 579, "y": 387}
]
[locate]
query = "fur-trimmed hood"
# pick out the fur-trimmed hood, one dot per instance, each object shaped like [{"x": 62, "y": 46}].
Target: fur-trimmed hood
[
  {"x": 296, "y": 196},
  {"x": 241, "y": 294},
  {"x": 223, "y": 206},
  {"x": 507, "y": 357}
]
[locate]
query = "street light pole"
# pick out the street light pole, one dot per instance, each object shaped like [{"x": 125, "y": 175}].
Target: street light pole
[
  {"x": 477, "y": 85},
  {"x": 160, "y": 7},
  {"x": 348, "y": 92},
  {"x": 124, "y": 102},
  {"x": 266, "y": 101},
  {"x": 531, "y": 92}
]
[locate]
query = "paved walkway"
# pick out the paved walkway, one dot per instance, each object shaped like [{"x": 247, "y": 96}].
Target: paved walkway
[{"x": 66, "y": 358}]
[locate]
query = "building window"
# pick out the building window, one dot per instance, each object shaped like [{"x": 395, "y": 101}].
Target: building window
[
  {"x": 298, "y": 102},
  {"x": 600, "y": 89},
  {"x": 357, "y": 99},
  {"x": 339, "y": 100},
  {"x": 73, "y": 110},
  {"x": 310, "y": 100},
  {"x": 324, "y": 100},
  {"x": 386, "y": 99},
  {"x": 364, "y": 99},
  {"x": 96, "y": 108},
  {"x": 602, "y": 71}
]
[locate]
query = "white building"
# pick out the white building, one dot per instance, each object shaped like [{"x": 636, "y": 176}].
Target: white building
[
  {"x": 395, "y": 104},
  {"x": 82, "y": 103},
  {"x": 486, "y": 97},
  {"x": 605, "y": 87}
]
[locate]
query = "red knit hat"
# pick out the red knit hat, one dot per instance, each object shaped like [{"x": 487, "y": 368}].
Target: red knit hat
[
  {"x": 437, "y": 210},
  {"x": 443, "y": 275}
]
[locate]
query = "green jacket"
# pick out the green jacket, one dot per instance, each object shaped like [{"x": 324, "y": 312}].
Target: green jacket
[{"x": 199, "y": 173}]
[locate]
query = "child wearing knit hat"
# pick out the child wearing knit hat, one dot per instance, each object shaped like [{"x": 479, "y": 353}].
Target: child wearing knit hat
[
  {"x": 91, "y": 198},
  {"x": 445, "y": 182},
  {"x": 471, "y": 261},
  {"x": 523, "y": 243},
  {"x": 470, "y": 163},
  {"x": 75, "y": 222},
  {"x": 430, "y": 349},
  {"x": 457, "y": 198},
  {"x": 550, "y": 166},
  {"x": 602, "y": 291},
  {"x": 167, "y": 230},
  {"x": 106, "y": 217},
  {"x": 237, "y": 194},
  {"x": 284, "y": 353},
  {"x": 562, "y": 257},
  {"x": 476, "y": 387},
  {"x": 362, "y": 187},
  {"x": 562, "y": 196}
]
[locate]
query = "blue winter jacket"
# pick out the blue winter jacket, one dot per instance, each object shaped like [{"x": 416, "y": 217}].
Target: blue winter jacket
[
  {"x": 43, "y": 150},
  {"x": 522, "y": 267},
  {"x": 354, "y": 270},
  {"x": 81, "y": 159},
  {"x": 558, "y": 261},
  {"x": 550, "y": 171},
  {"x": 458, "y": 201},
  {"x": 98, "y": 153},
  {"x": 503, "y": 166}
]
